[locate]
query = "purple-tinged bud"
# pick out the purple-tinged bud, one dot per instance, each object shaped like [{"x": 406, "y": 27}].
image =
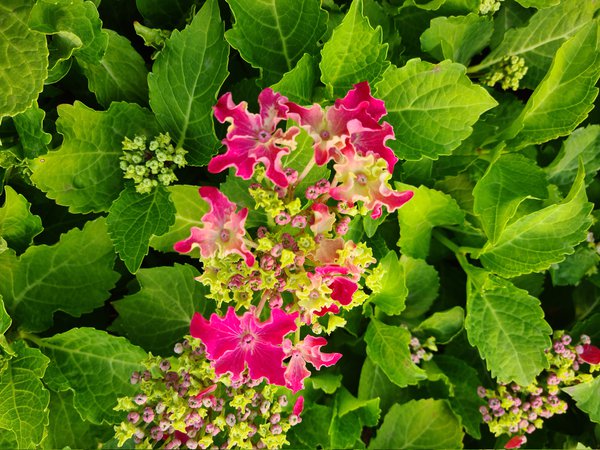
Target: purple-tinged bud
[
  {"x": 253, "y": 430},
  {"x": 553, "y": 400},
  {"x": 568, "y": 354},
  {"x": 559, "y": 347},
  {"x": 566, "y": 339},
  {"x": 532, "y": 416},
  {"x": 140, "y": 399},
  {"x": 275, "y": 418},
  {"x": 575, "y": 365},
  {"x": 536, "y": 402},
  {"x": 283, "y": 218},
  {"x": 553, "y": 379},
  {"x": 523, "y": 424},
  {"x": 280, "y": 191},
  {"x": 276, "y": 429},
  {"x": 487, "y": 418},
  {"x": 288, "y": 241},
  {"x": 133, "y": 417},
  {"x": 494, "y": 403},
  {"x": 230, "y": 420},
  {"x": 210, "y": 428},
  {"x": 515, "y": 387},
  {"x": 530, "y": 428},
  {"x": 291, "y": 175},
  {"x": 585, "y": 339},
  {"x": 148, "y": 415},
  {"x": 267, "y": 262},
  {"x": 480, "y": 390},
  {"x": 192, "y": 433},
  {"x": 499, "y": 412},
  {"x": 147, "y": 375},
  {"x": 137, "y": 440},
  {"x": 139, "y": 434},
  {"x": 178, "y": 348},
  {"x": 282, "y": 400},
  {"x": 515, "y": 410},
  {"x": 513, "y": 428},
  {"x": 261, "y": 232},
  {"x": 517, "y": 401},
  {"x": 299, "y": 222},
  {"x": 265, "y": 406},
  {"x": 156, "y": 433},
  {"x": 483, "y": 410},
  {"x": 135, "y": 377},
  {"x": 323, "y": 186},
  {"x": 164, "y": 425},
  {"x": 415, "y": 359},
  {"x": 276, "y": 301},
  {"x": 546, "y": 414},
  {"x": 526, "y": 406},
  {"x": 175, "y": 443},
  {"x": 159, "y": 408},
  {"x": 311, "y": 193},
  {"x": 191, "y": 444},
  {"x": 164, "y": 365}
]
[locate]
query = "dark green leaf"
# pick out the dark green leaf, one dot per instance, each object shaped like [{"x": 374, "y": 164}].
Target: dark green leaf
[
  {"x": 163, "y": 14},
  {"x": 574, "y": 267},
  {"x": 586, "y": 397},
  {"x": 30, "y": 126},
  {"x": 444, "y": 325},
  {"x": 298, "y": 84},
  {"x": 18, "y": 226}
]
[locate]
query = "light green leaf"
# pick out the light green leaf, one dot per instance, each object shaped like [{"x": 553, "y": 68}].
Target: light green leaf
[
  {"x": 23, "y": 398},
  {"x": 586, "y": 397},
  {"x": 387, "y": 346},
  {"x": 539, "y": 4},
  {"x": 236, "y": 190},
  {"x": 583, "y": 143},
  {"x": 349, "y": 417},
  {"x": 185, "y": 80},
  {"x": 443, "y": 325},
  {"x": 574, "y": 267},
  {"x": 272, "y": 35},
  {"x": 419, "y": 424},
  {"x": 22, "y": 75},
  {"x": 327, "y": 382},
  {"x": 84, "y": 173},
  {"x": 75, "y": 276},
  {"x": 423, "y": 285},
  {"x": 374, "y": 383},
  {"x": 300, "y": 158},
  {"x": 120, "y": 75},
  {"x": 189, "y": 209},
  {"x": 538, "y": 41},
  {"x": 458, "y": 38},
  {"x": 166, "y": 15},
  {"x": 508, "y": 181},
  {"x": 298, "y": 84},
  {"x": 132, "y": 220},
  {"x": 392, "y": 294},
  {"x": 507, "y": 326},
  {"x": 5, "y": 320},
  {"x": 566, "y": 94},
  {"x": 95, "y": 366},
  {"x": 535, "y": 241},
  {"x": 431, "y": 107},
  {"x": 18, "y": 226},
  {"x": 354, "y": 53},
  {"x": 159, "y": 314},
  {"x": 30, "y": 127},
  {"x": 314, "y": 431},
  {"x": 427, "y": 209}
]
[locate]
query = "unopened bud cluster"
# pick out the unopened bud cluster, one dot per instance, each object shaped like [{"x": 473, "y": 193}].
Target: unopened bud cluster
[
  {"x": 509, "y": 71},
  {"x": 422, "y": 351},
  {"x": 151, "y": 164},
  {"x": 182, "y": 404},
  {"x": 489, "y": 6}
]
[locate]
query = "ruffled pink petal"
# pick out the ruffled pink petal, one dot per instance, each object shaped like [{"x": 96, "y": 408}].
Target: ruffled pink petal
[
  {"x": 199, "y": 237},
  {"x": 590, "y": 354},
  {"x": 515, "y": 442},
  {"x": 242, "y": 122},
  {"x": 277, "y": 327},
  {"x": 360, "y": 97},
  {"x": 273, "y": 108},
  {"x": 220, "y": 335},
  {"x": 219, "y": 204},
  {"x": 266, "y": 360},
  {"x": 367, "y": 140},
  {"x": 233, "y": 362},
  {"x": 323, "y": 218},
  {"x": 311, "y": 352},
  {"x": 342, "y": 290},
  {"x": 237, "y": 156},
  {"x": 298, "y": 406},
  {"x": 296, "y": 372}
]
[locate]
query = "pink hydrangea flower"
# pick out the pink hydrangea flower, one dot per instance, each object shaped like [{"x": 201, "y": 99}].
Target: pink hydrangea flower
[
  {"x": 365, "y": 178},
  {"x": 223, "y": 229},
  {"x": 353, "y": 120},
  {"x": 308, "y": 350},
  {"x": 515, "y": 442},
  {"x": 234, "y": 343},
  {"x": 590, "y": 354},
  {"x": 253, "y": 138}
]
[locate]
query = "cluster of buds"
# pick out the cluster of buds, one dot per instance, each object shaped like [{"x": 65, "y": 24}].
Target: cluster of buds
[
  {"x": 151, "y": 164},
  {"x": 298, "y": 270},
  {"x": 422, "y": 351},
  {"x": 182, "y": 403},
  {"x": 508, "y": 72},
  {"x": 489, "y": 6},
  {"x": 520, "y": 410}
]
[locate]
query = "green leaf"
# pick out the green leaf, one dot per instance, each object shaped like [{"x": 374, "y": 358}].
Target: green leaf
[
  {"x": 18, "y": 226},
  {"x": 185, "y": 80},
  {"x": 427, "y": 209},
  {"x": 586, "y": 397},
  {"x": 419, "y": 424},
  {"x": 507, "y": 326},
  {"x": 574, "y": 267},
  {"x": 374, "y": 383},
  {"x": 30, "y": 126},
  {"x": 314, "y": 430},
  {"x": 84, "y": 173},
  {"x": 23, "y": 398},
  {"x": 538, "y": 41},
  {"x": 443, "y": 325},
  {"x": 272, "y": 35},
  {"x": 387, "y": 346},
  {"x": 349, "y": 418},
  {"x": 159, "y": 314},
  {"x": 95, "y": 366},
  {"x": 74, "y": 276},
  {"x": 431, "y": 107},
  {"x": 5, "y": 320},
  {"x": 392, "y": 294},
  {"x": 68, "y": 429},
  {"x": 539, "y": 4},
  {"x": 508, "y": 181},
  {"x": 189, "y": 209},
  {"x": 327, "y": 382},
  {"x": 566, "y": 94},
  {"x": 132, "y": 220},
  {"x": 583, "y": 143},
  {"x": 423, "y": 283},
  {"x": 120, "y": 75},
  {"x": 298, "y": 84},
  {"x": 22, "y": 75},
  {"x": 537, "y": 240},
  {"x": 166, "y": 15},
  {"x": 458, "y": 38},
  {"x": 300, "y": 159},
  {"x": 236, "y": 189},
  {"x": 354, "y": 53}
]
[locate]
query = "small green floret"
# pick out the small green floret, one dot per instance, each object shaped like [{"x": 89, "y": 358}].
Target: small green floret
[{"x": 508, "y": 72}]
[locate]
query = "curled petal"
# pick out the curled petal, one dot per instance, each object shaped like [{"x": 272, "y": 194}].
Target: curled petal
[
  {"x": 360, "y": 97},
  {"x": 298, "y": 406},
  {"x": 296, "y": 372},
  {"x": 342, "y": 290},
  {"x": 516, "y": 442},
  {"x": 590, "y": 354}
]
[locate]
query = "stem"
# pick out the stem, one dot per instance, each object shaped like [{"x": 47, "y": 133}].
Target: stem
[
  {"x": 32, "y": 338},
  {"x": 305, "y": 172},
  {"x": 261, "y": 305},
  {"x": 445, "y": 241}
]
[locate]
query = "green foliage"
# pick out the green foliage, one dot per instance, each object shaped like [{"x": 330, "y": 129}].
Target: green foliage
[
  {"x": 298, "y": 84},
  {"x": 18, "y": 226},
  {"x": 443, "y": 325},
  {"x": 586, "y": 398},
  {"x": 391, "y": 293},
  {"x": 30, "y": 127},
  {"x": 423, "y": 285}
]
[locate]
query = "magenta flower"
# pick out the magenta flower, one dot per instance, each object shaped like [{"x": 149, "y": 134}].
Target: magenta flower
[
  {"x": 308, "y": 350},
  {"x": 234, "y": 343},
  {"x": 223, "y": 229},
  {"x": 590, "y": 354},
  {"x": 253, "y": 138},
  {"x": 515, "y": 442}
]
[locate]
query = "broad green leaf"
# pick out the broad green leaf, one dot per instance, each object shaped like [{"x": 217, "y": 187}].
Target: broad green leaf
[
  {"x": 18, "y": 226},
  {"x": 507, "y": 326},
  {"x": 22, "y": 74},
  {"x": 508, "y": 181},
  {"x": 354, "y": 53},
  {"x": 431, "y": 107},
  {"x": 236, "y": 189},
  {"x": 120, "y": 75},
  {"x": 327, "y": 382},
  {"x": 419, "y": 424},
  {"x": 427, "y": 209},
  {"x": 189, "y": 209},
  {"x": 166, "y": 15},
  {"x": 301, "y": 158},
  {"x": 349, "y": 417},
  {"x": 298, "y": 84},
  {"x": 443, "y": 325},
  {"x": 84, "y": 173},
  {"x": 538, "y": 41},
  {"x": 539, "y": 4},
  {"x": 159, "y": 314},
  {"x": 423, "y": 285},
  {"x": 185, "y": 80},
  {"x": 75, "y": 276},
  {"x": 30, "y": 126},
  {"x": 95, "y": 366},
  {"x": 574, "y": 267},
  {"x": 583, "y": 143},
  {"x": 132, "y": 220},
  {"x": 458, "y": 38},
  {"x": 272, "y": 35},
  {"x": 391, "y": 295},
  {"x": 68, "y": 429},
  {"x": 387, "y": 346},
  {"x": 566, "y": 94},
  {"x": 374, "y": 383},
  {"x": 535, "y": 241},
  {"x": 5, "y": 320},
  {"x": 511, "y": 15},
  {"x": 23, "y": 398},
  {"x": 586, "y": 397},
  {"x": 314, "y": 431}
]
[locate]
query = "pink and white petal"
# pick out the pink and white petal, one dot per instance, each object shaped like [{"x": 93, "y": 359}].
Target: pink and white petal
[
  {"x": 296, "y": 372},
  {"x": 361, "y": 95},
  {"x": 366, "y": 140},
  {"x": 237, "y": 155},
  {"x": 232, "y": 362},
  {"x": 311, "y": 351},
  {"x": 220, "y": 206},
  {"x": 242, "y": 122},
  {"x": 273, "y": 108}
]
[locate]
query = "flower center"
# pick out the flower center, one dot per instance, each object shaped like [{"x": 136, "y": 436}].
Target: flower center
[
  {"x": 225, "y": 235},
  {"x": 361, "y": 179},
  {"x": 325, "y": 135},
  {"x": 247, "y": 339},
  {"x": 263, "y": 136}
]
